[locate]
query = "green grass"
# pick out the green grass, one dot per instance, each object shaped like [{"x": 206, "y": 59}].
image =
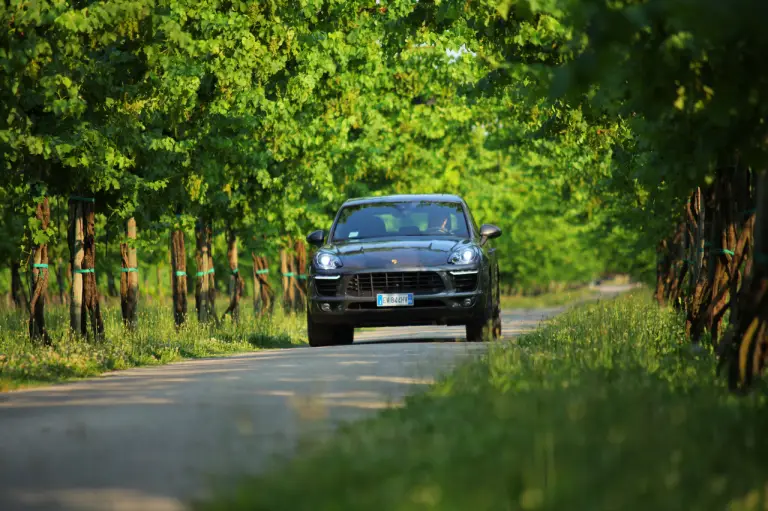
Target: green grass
[
  {"x": 557, "y": 299},
  {"x": 155, "y": 341},
  {"x": 605, "y": 408}
]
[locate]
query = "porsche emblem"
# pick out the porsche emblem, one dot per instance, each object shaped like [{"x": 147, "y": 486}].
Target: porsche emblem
[{"x": 394, "y": 261}]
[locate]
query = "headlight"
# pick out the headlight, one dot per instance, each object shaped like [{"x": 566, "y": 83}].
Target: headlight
[
  {"x": 327, "y": 261},
  {"x": 464, "y": 256}
]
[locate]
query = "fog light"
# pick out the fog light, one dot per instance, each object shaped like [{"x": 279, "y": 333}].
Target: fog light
[
  {"x": 467, "y": 302},
  {"x": 325, "y": 307}
]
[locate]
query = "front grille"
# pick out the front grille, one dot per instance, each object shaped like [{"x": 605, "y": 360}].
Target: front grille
[
  {"x": 326, "y": 287},
  {"x": 416, "y": 282},
  {"x": 465, "y": 282}
]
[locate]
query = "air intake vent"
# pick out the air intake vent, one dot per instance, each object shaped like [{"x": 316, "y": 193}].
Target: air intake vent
[
  {"x": 465, "y": 282},
  {"x": 327, "y": 287}
]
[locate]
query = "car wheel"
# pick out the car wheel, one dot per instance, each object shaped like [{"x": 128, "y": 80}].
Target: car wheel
[
  {"x": 326, "y": 335},
  {"x": 496, "y": 330},
  {"x": 477, "y": 329},
  {"x": 344, "y": 335}
]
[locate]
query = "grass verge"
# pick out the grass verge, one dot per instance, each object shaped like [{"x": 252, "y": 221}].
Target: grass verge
[
  {"x": 604, "y": 408},
  {"x": 548, "y": 299},
  {"x": 156, "y": 341}
]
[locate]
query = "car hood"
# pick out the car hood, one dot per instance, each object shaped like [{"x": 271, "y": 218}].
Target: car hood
[{"x": 376, "y": 254}]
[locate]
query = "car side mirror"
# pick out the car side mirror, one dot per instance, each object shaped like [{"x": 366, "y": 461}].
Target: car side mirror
[
  {"x": 488, "y": 232},
  {"x": 316, "y": 238}
]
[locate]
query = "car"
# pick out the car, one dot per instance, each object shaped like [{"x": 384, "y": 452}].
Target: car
[{"x": 402, "y": 260}]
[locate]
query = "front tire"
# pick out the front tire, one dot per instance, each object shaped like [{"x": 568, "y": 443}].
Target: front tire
[
  {"x": 328, "y": 335},
  {"x": 490, "y": 323}
]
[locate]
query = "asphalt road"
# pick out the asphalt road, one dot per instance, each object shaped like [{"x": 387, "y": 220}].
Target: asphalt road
[{"x": 150, "y": 439}]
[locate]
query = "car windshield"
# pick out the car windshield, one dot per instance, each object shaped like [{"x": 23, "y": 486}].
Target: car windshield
[{"x": 415, "y": 218}]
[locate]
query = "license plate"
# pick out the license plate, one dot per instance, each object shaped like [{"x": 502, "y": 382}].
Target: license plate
[{"x": 394, "y": 300}]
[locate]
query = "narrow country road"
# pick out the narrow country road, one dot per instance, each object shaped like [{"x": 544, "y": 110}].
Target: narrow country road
[{"x": 150, "y": 439}]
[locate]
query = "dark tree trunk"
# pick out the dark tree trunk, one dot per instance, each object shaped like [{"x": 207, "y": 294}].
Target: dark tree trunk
[
  {"x": 179, "y": 277},
  {"x": 746, "y": 344},
  {"x": 661, "y": 272},
  {"x": 39, "y": 283},
  {"x": 84, "y": 306},
  {"x": 235, "y": 279},
  {"x": 701, "y": 295},
  {"x": 204, "y": 292},
  {"x": 680, "y": 266},
  {"x": 111, "y": 288},
  {"x": 91, "y": 306},
  {"x": 75, "y": 236},
  {"x": 287, "y": 285},
  {"x": 17, "y": 286},
  {"x": 300, "y": 280},
  {"x": 60, "y": 281},
  {"x": 129, "y": 277},
  {"x": 263, "y": 295}
]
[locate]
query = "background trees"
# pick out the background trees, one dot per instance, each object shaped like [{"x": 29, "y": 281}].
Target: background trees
[{"x": 600, "y": 136}]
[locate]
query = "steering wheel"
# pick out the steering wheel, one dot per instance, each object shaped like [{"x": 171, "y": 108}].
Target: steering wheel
[{"x": 438, "y": 230}]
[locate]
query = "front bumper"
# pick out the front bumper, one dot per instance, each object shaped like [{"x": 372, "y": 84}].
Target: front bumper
[{"x": 447, "y": 307}]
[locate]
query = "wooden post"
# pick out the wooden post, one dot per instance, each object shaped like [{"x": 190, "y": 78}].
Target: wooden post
[{"x": 129, "y": 277}]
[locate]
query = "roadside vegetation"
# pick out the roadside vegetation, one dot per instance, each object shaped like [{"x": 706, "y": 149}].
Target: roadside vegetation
[
  {"x": 551, "y": 299},
  {"x": 156, "y": 340},
  {"x": 605, "y": 407}
]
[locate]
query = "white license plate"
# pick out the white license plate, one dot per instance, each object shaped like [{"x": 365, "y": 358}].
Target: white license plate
[{"x": 394, "y": 300}]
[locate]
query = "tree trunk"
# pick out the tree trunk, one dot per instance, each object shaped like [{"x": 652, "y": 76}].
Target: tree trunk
[
  {"x": 203, "y": 292},
  {"x": 287, "y": 285},
  {"x": 39, "y": 283},
  {"x": 746, "y": 342},
  {"x": 111, "y": 289},
  {"x": 75, "y": 235},
  {"x": 17, "y": 287},
  {"x": 677, "y": 265},
  {"x": 60, "y": 281},
  {"x": 256, "y": 284},
  {"x": 263, "y": 295},
  {"x": 129, "y": 277},
  {"x": 211, "y": 279},
  {"x": 235, "y": 280},
  {"x": 179, "y": 277},
  {"x": 700, "y": 297},
  {"x": 300, "y": 250},
  {"x": 91, "y": 306}
]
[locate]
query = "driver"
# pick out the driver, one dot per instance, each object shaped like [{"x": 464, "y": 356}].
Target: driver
[{"x": 438, "y": 219}]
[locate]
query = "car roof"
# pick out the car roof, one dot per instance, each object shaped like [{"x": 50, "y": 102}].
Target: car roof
[{"x": 442, "y": 197}]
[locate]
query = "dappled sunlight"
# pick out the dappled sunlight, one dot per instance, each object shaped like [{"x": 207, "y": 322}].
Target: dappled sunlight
[
  {"x": 110, "y": 400},
  {"x": 397, "y": 379},
  {"x": 92, "y": 499}
]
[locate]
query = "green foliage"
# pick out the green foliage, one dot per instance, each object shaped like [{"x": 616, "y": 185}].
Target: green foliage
[
  {"x": 264, "y": 117},
  {"x": 611, "y": 386}
]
